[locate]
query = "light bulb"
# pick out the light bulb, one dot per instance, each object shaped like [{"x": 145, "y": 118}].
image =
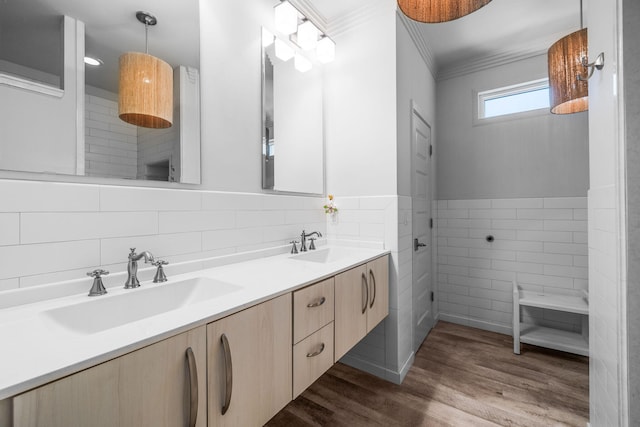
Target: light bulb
[
  {"x": 267, "y": 38},
  {"x": 284, "y": 52},
  {"x": 301, "y": 63},
  {"x": 286, "y": 17},
  {"x": 326, "y": 50},
  {"x": 307, "y": 37},
  {"x": 95, "y": 62}
]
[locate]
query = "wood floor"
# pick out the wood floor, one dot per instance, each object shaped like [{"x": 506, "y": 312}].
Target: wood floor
[{"x": 461, "y": 377}]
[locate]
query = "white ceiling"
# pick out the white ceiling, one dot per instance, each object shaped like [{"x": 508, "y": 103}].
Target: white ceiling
[{"x": 501, "y": 27}]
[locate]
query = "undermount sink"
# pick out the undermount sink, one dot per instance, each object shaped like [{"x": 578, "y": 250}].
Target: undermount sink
[
  {"x": 323, "y": 256},
  {"x": 102, "y": 313}
]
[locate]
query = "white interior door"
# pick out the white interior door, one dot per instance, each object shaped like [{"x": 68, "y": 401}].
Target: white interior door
[{"x": 421, "y": 216}]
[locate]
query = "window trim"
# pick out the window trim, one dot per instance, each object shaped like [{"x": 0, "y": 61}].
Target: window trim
[{"x": 480, "y": 97}]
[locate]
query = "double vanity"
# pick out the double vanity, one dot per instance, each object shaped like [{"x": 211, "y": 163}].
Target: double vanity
[{"x": 230, "y": 345}]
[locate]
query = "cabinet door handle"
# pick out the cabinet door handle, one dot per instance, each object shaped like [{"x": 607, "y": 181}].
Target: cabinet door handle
[
  {"x": 228, "y": 374},
  {"x": 373, "y": 282},
  {"x": 317, "y": 303},
  {"x": 317, "y": 352},
  {"x": 193, "y": 387},
  {"x": 365, "y": 294}
]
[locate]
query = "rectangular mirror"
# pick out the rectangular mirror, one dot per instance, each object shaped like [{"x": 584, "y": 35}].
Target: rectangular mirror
[
  {"x": 59, "y": 115},
  {"x": 292, "y": 126}
]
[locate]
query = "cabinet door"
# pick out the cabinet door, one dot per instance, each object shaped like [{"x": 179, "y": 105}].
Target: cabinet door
[
  {"x": 351, "y": 306},
  {"x": 252, "y": 375},
  {"x": 378, "y": 278},
  {"x": 148, "y": 387}
]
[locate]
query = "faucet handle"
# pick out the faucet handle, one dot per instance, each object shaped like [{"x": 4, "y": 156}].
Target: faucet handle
[
  {"x": 160, "y": 275},
  {"x": 98, "y": 287},
  {"x": 97, "y": 273},
  {"x": 312, "y": 245},
  {"x": 294, "y": 248}
]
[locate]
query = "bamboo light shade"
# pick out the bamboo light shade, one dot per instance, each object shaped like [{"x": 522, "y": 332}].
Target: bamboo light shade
[
  {"x": 567, "y": 94},
  {"x": 146, "y": 91},
  {"x": 434, "y": 11}
]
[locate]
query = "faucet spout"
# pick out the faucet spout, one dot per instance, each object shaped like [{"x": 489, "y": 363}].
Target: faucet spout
[
  {"x": 303, "y": 239},
  {"x": 132, "y": 267}
]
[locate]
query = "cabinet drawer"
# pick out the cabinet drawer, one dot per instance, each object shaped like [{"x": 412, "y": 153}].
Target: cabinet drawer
[
  {"x": 311, "y": 358},
  {"x": 312, "y": 309}
]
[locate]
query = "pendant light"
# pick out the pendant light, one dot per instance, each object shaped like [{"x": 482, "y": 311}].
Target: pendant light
[
  {"x": 146, "y": 85},
  {"x": 434, "y": 11}
]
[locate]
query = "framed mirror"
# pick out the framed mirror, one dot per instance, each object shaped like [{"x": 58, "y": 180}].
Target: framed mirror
[
  {"x": 292, "y": 124},
  {"x": 60, "y": 115}
]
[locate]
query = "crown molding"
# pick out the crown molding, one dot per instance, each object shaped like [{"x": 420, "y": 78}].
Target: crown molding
[
  {"x": 311, "y": 12},
  {"x": 487, "y": 62},
  {"x": 424, "y": 49}
]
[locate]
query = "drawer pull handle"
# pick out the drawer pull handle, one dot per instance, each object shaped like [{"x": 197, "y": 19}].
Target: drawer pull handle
[
  {"x": 317, "y": 352},
  {"x": 365, "y": 293},
  {"x": 373, "y": 282},
  {"x": 193, "y": 387},
  {"x": 317, "y": 303},
  {"x": 228, "y": 368}
]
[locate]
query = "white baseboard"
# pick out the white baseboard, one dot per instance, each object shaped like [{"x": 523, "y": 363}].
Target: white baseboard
[
  {"x": 380, "y": 371},
  {"x": 476, "y": 323}
]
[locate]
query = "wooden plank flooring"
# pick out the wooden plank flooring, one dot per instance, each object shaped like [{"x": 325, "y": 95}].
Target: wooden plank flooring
[{"x": 461, "y": 377}]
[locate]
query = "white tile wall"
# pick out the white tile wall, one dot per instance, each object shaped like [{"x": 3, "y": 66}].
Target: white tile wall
[
  {"x": 365, "y": 221},
  {"x": 51, "y": 232},
  {"x": 539, "y": 242},
  {"x": 110, "y": 144}
]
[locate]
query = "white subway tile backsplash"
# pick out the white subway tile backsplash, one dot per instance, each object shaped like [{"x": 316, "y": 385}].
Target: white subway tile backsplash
[
  {"x": 182, "y": 222},
  {"x": 545, "y": 258},
  {"x": 556, "y": 225},
  {"x": 8, "y": 284},
  {"x": 566, "y": 248},
  {"x": 132, "y": 199},
  {"x": 9, "y": 229},
  {"x": 546, "y": 236},
  {"x": 116, "y": 250},
  {"x": 566, "y": 202},
  {"x": 22, "y": 260},
  {"x": 517, "y": 224},
  {"x": 493, "y": 213},
  {"x": 517, "y": 203},
  {"x": 58, "y": 227},
  {"x": 467, "y": 204},
  {"x": 40, "y": 196}
]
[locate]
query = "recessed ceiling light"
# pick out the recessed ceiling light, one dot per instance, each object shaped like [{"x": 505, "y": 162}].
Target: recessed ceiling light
[{"x": 94, "y": 62}]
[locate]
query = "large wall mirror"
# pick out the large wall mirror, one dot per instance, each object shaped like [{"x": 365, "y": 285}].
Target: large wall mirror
[
  {"x": 60, "y": 116},
  {"x": 292, "y": 125}
]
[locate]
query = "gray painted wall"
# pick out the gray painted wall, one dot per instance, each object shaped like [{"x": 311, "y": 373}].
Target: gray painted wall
[
  {"x": 541, "y": 155},
  {"x": 631, "y": 35}
]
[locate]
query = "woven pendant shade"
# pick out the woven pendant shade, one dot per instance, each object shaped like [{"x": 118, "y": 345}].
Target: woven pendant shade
[
  {"x": 568, "y": 94},
  {"x": 146, "y": 91},
  {"x": 433, "y": 11}
]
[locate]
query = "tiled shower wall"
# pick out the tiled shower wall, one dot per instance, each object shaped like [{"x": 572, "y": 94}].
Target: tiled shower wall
[
  {"x": 541, "y": 243},
  {"x": 110, "y": 144},
  {"x": 52, "y": 232}
]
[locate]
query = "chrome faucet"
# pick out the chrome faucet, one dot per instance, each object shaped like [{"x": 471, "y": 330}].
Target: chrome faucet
[
  {"x": 132, "y": 267},
  {"x": 303, "y": 240}
]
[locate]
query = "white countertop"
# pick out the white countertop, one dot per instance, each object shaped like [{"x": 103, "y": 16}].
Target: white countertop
[{"x": 36, "y": 350}]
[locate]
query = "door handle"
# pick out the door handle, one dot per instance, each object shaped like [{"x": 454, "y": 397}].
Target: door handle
[{"x": 417, "y": 244}]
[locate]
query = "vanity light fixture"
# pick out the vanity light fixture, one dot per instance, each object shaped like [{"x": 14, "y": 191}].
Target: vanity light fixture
[
  {"x": 303, "y": 34},
  {"x": 146, "y": 85},
  {"x": 434, "y": 11},
  {"x": 567, "y": 61},
  {"x": 94, "y": 62},
  {"x": 286, "y": 18},
  {"x": 301, "y": 63},
  {"x": 284, "y": 52},
  {"x": 307, "y": 35},
  {"x": 326, "y": 50}
]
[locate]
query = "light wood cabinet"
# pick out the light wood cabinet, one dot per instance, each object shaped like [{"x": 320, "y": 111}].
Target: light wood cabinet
[
  {"x": 362, "y": 301},
  {"x": 312, "y": 357},
  {"x": 312, "y": 309},
  {"x": 250, "y": 369},
  {"x": 150, "y": 387}
]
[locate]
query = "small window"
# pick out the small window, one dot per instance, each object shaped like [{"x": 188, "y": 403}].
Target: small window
[{"x": 514, "y": 99}]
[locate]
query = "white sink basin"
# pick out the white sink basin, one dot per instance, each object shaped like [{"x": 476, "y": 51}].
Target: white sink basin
[
  {"x": 324, "y": 256},
  {"x": 105, "y": 312}
]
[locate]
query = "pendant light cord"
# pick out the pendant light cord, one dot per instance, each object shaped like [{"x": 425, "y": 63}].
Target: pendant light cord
[
  {"x": 581, "y": 24},
  {"x": 146, "y": 33}
]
